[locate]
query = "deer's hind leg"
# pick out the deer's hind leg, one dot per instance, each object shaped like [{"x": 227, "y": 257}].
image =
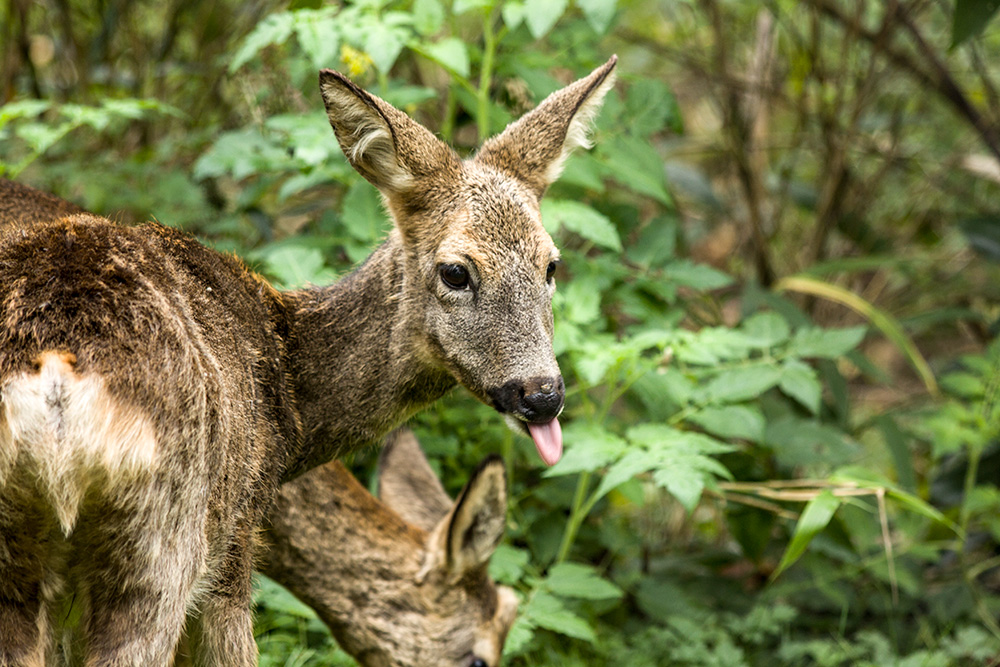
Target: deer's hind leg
[
  {"x": 25, "y": 635},
  {"x": 142, "y": 553},
  {"x": 222, "y": 632}
]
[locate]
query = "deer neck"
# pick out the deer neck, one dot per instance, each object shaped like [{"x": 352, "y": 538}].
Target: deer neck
[
  {"x": 356, "y": 359},
  {"x": 341, "y": 552}
]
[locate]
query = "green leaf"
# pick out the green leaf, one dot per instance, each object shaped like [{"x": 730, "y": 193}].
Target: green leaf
[
  {"x": 275, "y": 29},
  {"x": 295, "y": 266},
  {"x": 731, "y": 421},
  {"x": 826, "y": 343},
  {"x": 547, "y": 611},
  {"x": 384, "y": 44},
  {"x": 814, "y": 518},
  {"x": 452, "y": 54},
  {"x": 513, "y": 14},
  {"x": 634, "y": 462},
  {"x": 634, "y": 163},
  {"x": 274, "y": 596},
  {"x": 581, "y": 219},
  {"x": 741, "y": 384},
  {"x": 588, "y": 447},
  {"x": 362, "y": 213},
  {"x": 520, "y": 635},
  {"x": 507, "y": 564},
  {"x": 765, "y": 330},
  {"x": 598, "y": 13},
  {"x": 970, "y": 18},
  {"x": 541, "y": 16},
  {"x": 684, "y": 484},
  {"x": 582, "y": 303},
  {"x": 799, "y": 381},
  {"x": 698, "y": 276},
  {"x": 428, "y": 16},
  {"x": 318, "y": 35},
  {"x": 462, "y": 6},
  {"x": 575, "y": 580}
]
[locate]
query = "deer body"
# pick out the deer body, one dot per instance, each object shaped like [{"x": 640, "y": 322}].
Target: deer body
[
  {"x": 388, "y": 587},
  {"x": 154, "y": 393}
]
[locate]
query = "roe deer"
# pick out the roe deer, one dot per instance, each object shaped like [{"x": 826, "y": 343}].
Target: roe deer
[
  {"x": 402, "y": 582},
  {"x": 155, "y": 393}
]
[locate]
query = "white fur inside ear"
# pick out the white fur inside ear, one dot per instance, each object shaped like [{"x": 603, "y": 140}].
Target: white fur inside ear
[
  {"x": 365, "y": 139},
  {"x": 577, "y": 134}
]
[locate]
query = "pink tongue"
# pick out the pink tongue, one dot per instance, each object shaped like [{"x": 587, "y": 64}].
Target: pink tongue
[{"x": 548, "y": 440}]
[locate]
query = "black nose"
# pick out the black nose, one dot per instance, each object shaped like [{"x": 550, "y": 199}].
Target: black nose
[{"x": 537, "y": 400}]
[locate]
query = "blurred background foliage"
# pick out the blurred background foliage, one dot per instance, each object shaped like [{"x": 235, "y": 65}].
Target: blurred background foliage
[{"x": 777, "y": 316}]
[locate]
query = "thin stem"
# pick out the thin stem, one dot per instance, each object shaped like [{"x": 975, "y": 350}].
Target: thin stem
[
  {"x": 486, "y": 76},
  {"x": 575, "y": 517}
]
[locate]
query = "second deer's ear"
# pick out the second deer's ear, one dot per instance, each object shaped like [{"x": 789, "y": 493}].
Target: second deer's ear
[
  {"x": 406, "y": 483},
  {"x": 477, "y": 522},
  {"x": 534, "y": 148},
  {"x": 382, "y": 143}
]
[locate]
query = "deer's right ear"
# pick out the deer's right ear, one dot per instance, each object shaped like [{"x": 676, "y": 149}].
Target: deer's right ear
[
  {"x": 381, "y": 142},
  {"x": 406, "y": 483},
  {"x": 468, "y": 536}
]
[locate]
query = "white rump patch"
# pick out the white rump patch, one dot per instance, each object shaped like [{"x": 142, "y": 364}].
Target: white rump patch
[{"x": 70, "y": 432}]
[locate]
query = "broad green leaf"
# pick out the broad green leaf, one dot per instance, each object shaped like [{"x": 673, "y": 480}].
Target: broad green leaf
[
  {"x": 826, "y": 343},
  {"x": 765, "y": 330},
  {"x": 634, "y": 163},
  {"x": 541, "y": 16},
  {"x": 383, "y": 44},
  {"x": 513, "y": 14},
  {"x": 275, "y": 29},
  {"x": 965, "y": 385},
  {"x": 520, "y": 636},
  {"x": 462, "y": 6},
  {"x": 575, "y": 580},
  {"x": 661, "y": 437},
  {"x": 588, "y": 447},
  {"x": 970, "y": 18},
  {"x": 452, "y": 54},
  {"x": 799, "y": 381},
  {"x": 741, "y": 384},
  {"x": 814, "y": 518},
  {"x": 699, "y": 276},
  {"x": 296, "y": 266},
  {"x": 428, "y": 16},
  {"x": 634, "y": 462},
  {"x": 808, "y": 442},
  {"x": 598, "y": 13},
  {"x": 318, "y": 35},
  {"x": 362, "y": 213},
  {"x": 582, "y": 302},
  {"x": 731, "y": 421},
  {"x": 547, "y": 611},
  {"x": 581, "y": 219},
  {"x": 274, "y": 596},
  {"x": 507, "y": 564},
  {"x": 685, "y": 484}
]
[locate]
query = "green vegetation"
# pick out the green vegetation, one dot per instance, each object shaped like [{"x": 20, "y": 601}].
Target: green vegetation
[{"x": 777, "y": 315}]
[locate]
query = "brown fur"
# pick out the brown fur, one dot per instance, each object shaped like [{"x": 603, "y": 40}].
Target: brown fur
[
  {"x": 243, "y": 387},
  {"x": 361, "y": 566}
]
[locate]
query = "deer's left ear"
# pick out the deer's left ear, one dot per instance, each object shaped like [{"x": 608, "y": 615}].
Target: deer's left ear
[
  {"x": 406, "y": 483},
  {"x": 466, "y": 538},
  {"x": 534, "y": 148}
]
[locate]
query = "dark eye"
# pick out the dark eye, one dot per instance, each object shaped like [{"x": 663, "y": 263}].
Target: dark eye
[
  {"x": 454, "y": 276},
  {"x": 478, "y": 662},
  {"x": 551, "y": 270}
]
